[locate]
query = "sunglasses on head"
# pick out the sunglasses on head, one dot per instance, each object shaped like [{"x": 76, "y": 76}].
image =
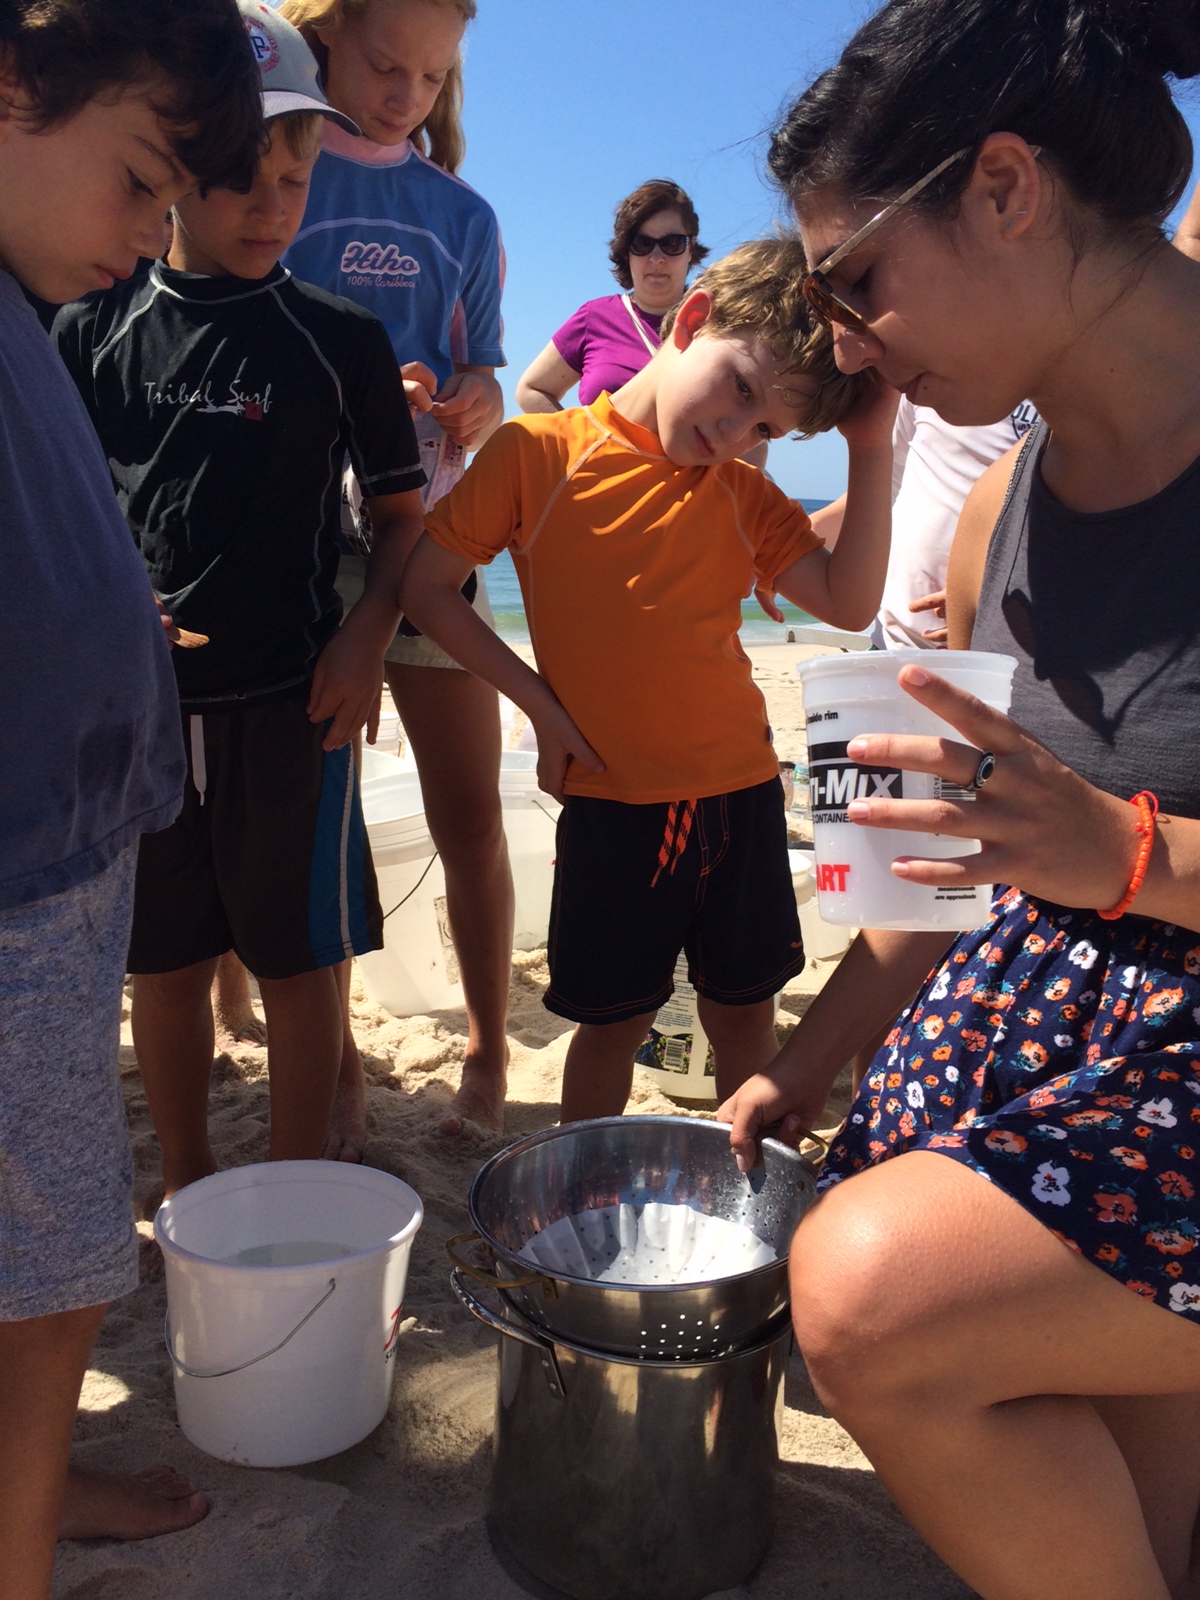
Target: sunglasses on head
[
  {"x": 671, "y": 244},
  {"x": 814, "y": 286}
]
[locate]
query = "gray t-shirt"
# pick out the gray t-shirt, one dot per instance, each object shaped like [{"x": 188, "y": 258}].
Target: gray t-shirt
[
  {"x": 91, "y": 752},
  {"x": 1102, "y": 611}
]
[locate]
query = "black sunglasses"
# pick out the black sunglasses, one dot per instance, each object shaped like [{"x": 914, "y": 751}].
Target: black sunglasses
[{"x": 671, "y": 244}]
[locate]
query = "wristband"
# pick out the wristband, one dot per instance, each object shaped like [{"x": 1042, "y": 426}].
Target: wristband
[{"x": 1147, "y": 805}]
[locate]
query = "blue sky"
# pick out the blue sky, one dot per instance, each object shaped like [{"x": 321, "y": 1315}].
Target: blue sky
[{"x": 570, "y": 104}]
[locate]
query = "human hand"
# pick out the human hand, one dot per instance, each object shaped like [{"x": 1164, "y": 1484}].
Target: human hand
[
  {"x": 762, "y": 1101},
  {"x": 559, "y": 742},
  {"x": 346, "y": 687},
  {"x": 766, "y": 599},
  {"x": 872, "y": 417},
  {"x": 936, "y": 603},
  {"x": 1041, "y": 826},
  {"x": 420, "y": 385},
  {"x": 466, "y": 405}
]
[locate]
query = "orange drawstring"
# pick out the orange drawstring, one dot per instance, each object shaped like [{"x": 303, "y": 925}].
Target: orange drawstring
[{"x": 675, "y": 837}]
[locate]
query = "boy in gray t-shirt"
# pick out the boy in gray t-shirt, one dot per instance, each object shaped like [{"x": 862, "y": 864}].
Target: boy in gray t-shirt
[{"x": 119, "y": 108}]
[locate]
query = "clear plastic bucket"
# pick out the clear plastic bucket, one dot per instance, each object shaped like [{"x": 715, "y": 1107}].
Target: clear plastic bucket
[
  {"x": 849, "y": 695},
  {"x": 285, "y": 1283}
]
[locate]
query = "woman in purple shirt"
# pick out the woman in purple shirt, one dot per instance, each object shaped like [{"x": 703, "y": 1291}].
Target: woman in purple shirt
[{"x": 654, "y": 246}]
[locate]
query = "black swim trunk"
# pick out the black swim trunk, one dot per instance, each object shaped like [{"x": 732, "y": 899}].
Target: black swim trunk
[
  {"x": 634, "y": 885},
  {"x": 269, "y": 856}
]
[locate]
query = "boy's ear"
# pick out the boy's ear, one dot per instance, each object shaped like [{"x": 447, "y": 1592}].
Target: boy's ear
[{"x": 691, "y": 317}]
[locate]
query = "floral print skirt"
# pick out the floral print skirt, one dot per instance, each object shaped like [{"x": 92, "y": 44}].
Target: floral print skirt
[{"x": 1059, "y": 1056}]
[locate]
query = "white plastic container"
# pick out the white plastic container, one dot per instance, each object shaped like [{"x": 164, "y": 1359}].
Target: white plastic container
[
  {"x": 530, "y": 822},
  {"x": 285, "y": 1289},
  {"x": 676, "y": 1052},
  {"x": 823, "y": 941},
  {"x": 417, "y": 969},
  {"x": 848, "y": 695}
]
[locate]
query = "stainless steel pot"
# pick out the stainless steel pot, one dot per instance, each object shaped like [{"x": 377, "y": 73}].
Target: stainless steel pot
[
  {"x": 623, "y": 1479},
  {"x": 675, "y": 1160}
]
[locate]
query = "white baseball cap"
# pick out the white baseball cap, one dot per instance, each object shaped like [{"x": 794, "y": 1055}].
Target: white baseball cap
[{"x": 288, "y": 68}]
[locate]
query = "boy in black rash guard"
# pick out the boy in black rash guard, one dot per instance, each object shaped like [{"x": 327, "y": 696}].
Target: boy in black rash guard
[{"x": 227, "y": 397}]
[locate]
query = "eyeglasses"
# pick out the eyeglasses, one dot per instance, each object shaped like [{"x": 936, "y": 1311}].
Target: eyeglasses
[
  {"x": 671, "y": 244},
  {"x": 829, "y": 306}
]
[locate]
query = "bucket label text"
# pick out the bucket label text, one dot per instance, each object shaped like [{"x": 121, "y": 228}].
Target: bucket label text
[{"x": 835, "y": 780}]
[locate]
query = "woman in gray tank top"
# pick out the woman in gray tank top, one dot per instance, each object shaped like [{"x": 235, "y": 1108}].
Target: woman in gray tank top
[{"x": 999, "y": 1295}]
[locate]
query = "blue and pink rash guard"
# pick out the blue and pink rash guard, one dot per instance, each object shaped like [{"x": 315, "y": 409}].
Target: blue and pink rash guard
[{"x": 390, "y": 230}]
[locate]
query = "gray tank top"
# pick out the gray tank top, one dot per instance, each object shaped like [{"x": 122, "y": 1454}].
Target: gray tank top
[{"x": 1102, "y": 611}]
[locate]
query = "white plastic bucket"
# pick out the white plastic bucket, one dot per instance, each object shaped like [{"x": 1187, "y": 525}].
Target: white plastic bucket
[
  {"x": 530, "y": 819},
  {"x": 845, "y": 696},
  {"x": 417, "y": 969},
  {"x": 823, "y": 941},
  {"x": 279, "y": 1364}
]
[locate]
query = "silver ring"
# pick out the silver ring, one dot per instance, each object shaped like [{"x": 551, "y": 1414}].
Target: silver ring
[{"x": 985, "y": 770}]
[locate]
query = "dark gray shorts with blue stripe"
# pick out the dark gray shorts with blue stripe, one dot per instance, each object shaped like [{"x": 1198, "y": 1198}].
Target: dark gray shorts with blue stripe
[{"x": 269, "y": 856}]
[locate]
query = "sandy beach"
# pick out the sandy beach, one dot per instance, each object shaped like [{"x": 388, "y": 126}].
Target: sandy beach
[{"x": 402, "y": 1513}]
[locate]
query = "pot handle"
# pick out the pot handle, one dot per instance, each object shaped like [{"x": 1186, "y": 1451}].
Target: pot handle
[
  {"x": 509, "y": 1330},
  {"x": 490, "y": 1280}
]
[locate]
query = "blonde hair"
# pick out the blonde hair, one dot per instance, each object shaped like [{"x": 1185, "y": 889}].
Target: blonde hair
[
  {"x": 756, "y": 290},
  {"x": 301, "y": 131},
  {"x": 440, "y": 136}
]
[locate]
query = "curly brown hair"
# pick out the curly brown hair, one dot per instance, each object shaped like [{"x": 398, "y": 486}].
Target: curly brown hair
[
  {"x": 646, "y": 201},
  {"x": 756, "y": 289}
]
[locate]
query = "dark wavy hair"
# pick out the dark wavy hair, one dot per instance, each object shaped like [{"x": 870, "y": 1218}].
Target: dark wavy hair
[
  {"x": 1082, "y": 79},
  {"x": 646, "y": 201},
  {"x": 192, "y": 55}
]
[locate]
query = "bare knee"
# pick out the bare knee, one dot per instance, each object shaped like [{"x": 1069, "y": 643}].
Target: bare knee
[
  {"x": 856, "y": 1324},
  {"x": 173, "y": 988},
  {"x": 470, "y": 837}
]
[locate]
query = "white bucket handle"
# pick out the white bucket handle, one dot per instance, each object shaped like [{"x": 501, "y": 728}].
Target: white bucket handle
[{"x": 226, "y": 1372}]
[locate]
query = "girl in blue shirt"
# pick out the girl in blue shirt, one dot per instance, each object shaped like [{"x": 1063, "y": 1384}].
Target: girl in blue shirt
[{"x": 391, "y": 226}]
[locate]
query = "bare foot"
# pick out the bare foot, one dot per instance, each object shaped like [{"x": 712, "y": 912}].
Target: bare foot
[
  {"x": 119, "y": 1505},
  {"x": 480, "y": 1098},
  {"x": 233, "y": 1009}
]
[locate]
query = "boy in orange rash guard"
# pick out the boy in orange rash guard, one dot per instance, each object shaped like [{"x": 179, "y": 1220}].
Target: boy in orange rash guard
[{"x": 635, "y": 532}]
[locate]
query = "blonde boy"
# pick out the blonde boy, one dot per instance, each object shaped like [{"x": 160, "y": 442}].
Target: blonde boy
[{"x": 636, "y": 531}]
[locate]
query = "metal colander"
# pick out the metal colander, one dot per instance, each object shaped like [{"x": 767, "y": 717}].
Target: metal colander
[{"x": 639, "y": 1235}]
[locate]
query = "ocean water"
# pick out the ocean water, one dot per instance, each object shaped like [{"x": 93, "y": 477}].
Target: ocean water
[{"x": 504, "y": 592}]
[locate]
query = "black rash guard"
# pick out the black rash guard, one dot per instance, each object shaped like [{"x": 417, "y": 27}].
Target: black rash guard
[{"x": 227, "y": 408}]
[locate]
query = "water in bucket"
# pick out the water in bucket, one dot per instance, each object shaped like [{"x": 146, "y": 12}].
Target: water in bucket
[
  {"x": 848, "y": 695},
  {"x": 285, "y": 1290}
]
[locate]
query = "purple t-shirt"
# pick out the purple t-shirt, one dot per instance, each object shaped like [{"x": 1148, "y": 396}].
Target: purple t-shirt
[{"x": 602, "y": 344}]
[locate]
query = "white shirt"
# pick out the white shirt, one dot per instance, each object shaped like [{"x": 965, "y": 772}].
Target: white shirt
[{"x": 934, "y": 467}]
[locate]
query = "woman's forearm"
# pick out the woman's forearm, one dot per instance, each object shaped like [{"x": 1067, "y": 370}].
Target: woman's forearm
[{"x": 875, "y": 979}]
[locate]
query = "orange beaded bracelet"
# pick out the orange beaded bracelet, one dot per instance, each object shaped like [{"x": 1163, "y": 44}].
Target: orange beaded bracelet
[{"x": 1147, "y": 805}]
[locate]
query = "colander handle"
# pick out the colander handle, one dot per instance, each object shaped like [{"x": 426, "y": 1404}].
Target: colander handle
[
  {"x": 226, "y": 1372},
  {"x": 510, "y": 1330},
  {"x": 815, "y": 1138},
  {"x": 489, "y": 1279}
]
